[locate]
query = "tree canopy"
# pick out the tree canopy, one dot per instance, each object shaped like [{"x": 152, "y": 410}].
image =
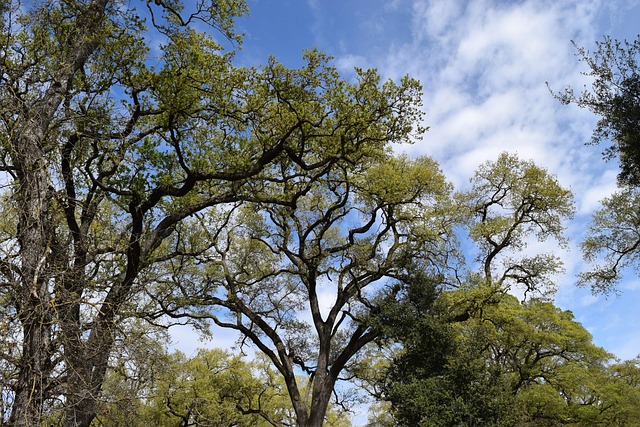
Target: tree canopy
[
  {"x": 147, "y": 185},
  {"x": 513, "y": 363},
  {"x": 450, "y": 369},
  {"x": 211, "y": 388},
  {"x": 615, "y": 97},
  {"x": 119, "y": 155}
]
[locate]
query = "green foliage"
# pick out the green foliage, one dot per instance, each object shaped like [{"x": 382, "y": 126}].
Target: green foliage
[
  {"x": 612, "y": 241},
  {"x": 615, "y": 97},
  {"x": 511, "y": 201},
  {"x": 353, "y": 229},
  {"x": 436, "y": 379},
  {"x": 131, "y": 172},
  {"x": 474, "y": 355},
  {"x": 513, "y": 364},
  {"x": 212, "y": 388}
]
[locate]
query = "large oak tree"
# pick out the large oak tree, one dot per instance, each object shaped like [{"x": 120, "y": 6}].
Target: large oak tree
[{"x": 300, "y": 282}]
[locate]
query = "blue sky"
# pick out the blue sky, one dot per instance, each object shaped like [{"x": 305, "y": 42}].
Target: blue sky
[{"x": 484, "y": 66}]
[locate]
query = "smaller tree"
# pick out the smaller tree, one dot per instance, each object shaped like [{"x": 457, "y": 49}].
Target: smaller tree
[
  {"x": 510, "y": 202},
  {"x": 441, "y": 376},
  {"x": 619, "y": 393},
  {"x": 212, "y": 388},
  {"x": 613, "y": 241},
  {"x": 513, "y": 363},
  {"x": 613, "y": 238},
  {"x": 615, "y": 97}
]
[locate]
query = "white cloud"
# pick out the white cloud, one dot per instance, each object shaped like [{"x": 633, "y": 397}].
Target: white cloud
[
  {"x": 484, "y": 67},
  {"x": 434, "y": 19},
  {"x": 346, "y": 63},
  {"x": 592, "y": 196}
]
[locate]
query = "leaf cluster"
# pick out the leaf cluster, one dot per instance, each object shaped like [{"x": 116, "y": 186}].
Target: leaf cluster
[{"x": 615, "y": 97}]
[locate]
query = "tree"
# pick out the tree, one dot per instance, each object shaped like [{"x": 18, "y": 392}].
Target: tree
[
  {"x": 212, "y": 388},
  {"x": 615, "y": 97},
  {"x": 434, "y": 379},
  {"x": 555, "y": 373},
  {"x": 613, "y": 241},
  {"x": 113, "y": 154},
  {"x": 511, "y": 201},
  {"x": 439, "y": 377},
  {"x": 74, "y": 157},
  {"x": 298, "y": 282},
  {"x": 618, "y": 393},
  {"x": 514, "y": 363}
]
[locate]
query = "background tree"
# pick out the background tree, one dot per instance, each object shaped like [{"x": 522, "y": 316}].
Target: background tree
[
  {"x": 615, "y": 97},
  {"x": 434, "y": 379},
  {"x": 113, "y": 154},
  {"x": 612, "y": 241},
  {"x": 212, "y": 388},
  {"x": 514, "y": 363},
  {"x": 618, "y": 393},
  {"x": 545, "y": 358},
  {"x": 510, "y": 202},
  {"x": 148, "y": 385}
]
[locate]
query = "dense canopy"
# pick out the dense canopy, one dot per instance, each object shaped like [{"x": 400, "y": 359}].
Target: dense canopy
[{"x": 150, "y": 180}]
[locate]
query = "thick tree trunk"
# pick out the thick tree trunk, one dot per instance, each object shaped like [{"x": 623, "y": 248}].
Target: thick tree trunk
[
  {"x": 30, "y": 395},
  {"x": 81, "y": 404},
  {"x": 323, "y": 383},
  {"x": 33, "y": 197},
  {"x": 321, "y": 389},
  {"x": 313, "y": 415},
  {"x": 34, "y": 228},
  {"x": 319, "y": 405}
]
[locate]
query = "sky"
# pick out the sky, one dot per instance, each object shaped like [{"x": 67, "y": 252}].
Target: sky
[{"x": 486, "y": 68}]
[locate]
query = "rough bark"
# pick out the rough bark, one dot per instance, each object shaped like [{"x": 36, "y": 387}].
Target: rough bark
[
  {"x": 34, "y": 200},
  {"x": 34, "y": 227}
]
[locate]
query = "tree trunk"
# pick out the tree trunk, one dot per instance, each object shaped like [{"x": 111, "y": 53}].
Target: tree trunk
[
  {"x": 30, "y": 395},
  {"x": 322, "y": 381},
  {"x": 80, "y": 397},
  {"x": 319, "y": 405},
  {"x": 33, "y": 197},
  {"x": 81, "y": 401},
  {"x": 34, "y": 228}
]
